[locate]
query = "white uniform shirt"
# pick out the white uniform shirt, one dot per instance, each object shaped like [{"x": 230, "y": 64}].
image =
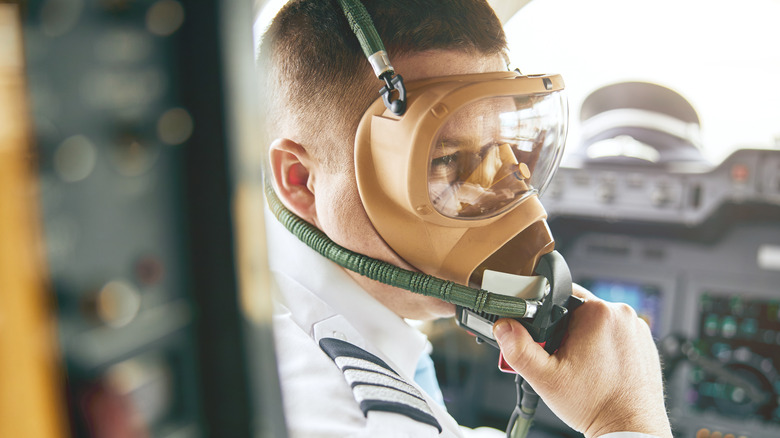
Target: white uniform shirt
[{"x": 316, "y": 299}]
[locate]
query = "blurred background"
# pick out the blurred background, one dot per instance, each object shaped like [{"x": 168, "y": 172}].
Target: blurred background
[
  {"x": 129, "y": 224},
  {"x": 133, "y": 278}
]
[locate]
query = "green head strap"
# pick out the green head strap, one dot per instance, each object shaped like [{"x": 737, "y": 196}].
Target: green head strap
[{"x": 372, "y": 46}]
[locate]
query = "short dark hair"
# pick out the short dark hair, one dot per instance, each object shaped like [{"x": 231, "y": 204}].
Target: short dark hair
[{"x": 316, "y": 76}]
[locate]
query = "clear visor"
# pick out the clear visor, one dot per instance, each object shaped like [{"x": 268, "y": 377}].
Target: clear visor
[{"x": 494, "y": 152}]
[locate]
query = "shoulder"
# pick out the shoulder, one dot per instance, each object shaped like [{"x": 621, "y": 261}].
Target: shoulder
[
  {"x": 316, "y": 399},
  {"x": 375, "y": 385},
  {"x": 331, "y": 384},
  {"x": 333, "y": 388}
]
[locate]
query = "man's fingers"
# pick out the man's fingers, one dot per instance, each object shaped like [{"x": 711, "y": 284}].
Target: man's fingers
[
  {"x": 580, "y": 292},
  {"x": 520, "y": 351}
]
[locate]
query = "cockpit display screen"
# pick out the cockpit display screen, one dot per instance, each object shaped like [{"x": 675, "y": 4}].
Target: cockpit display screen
[{"x": 645, "y": 299}]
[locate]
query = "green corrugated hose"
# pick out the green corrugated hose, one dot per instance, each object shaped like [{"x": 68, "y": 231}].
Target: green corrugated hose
[{"x": 478, "y": 300}]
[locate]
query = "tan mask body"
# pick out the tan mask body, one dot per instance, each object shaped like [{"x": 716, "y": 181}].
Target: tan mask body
[{"x": 452, "y": 185}]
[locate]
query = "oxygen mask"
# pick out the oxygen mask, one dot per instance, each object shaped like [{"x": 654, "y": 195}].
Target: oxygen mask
[{"x": 455, "y": 180}]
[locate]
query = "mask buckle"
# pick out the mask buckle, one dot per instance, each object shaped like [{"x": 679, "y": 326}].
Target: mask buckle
[{"x": 394, "y": 83}]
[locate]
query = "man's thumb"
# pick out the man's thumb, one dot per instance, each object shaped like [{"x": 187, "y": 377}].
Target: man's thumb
[{"x": 519, "y": 349}]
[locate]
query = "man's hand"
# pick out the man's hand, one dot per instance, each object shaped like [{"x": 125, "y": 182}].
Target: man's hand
[{"x": 606, "y": 377}]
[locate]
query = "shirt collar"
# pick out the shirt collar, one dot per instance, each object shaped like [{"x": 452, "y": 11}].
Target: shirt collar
[{"x": 382, "y": 328}]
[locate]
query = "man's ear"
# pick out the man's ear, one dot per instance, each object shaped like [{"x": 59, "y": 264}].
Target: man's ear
[{"x": 292, "y": 168}]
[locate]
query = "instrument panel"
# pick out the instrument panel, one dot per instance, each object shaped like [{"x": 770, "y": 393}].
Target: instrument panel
[
  {"x": 714, "y": 313},
  {"x": 696, "y": 252}
]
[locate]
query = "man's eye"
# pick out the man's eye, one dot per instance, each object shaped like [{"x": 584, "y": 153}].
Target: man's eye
[{"x": 445, "y": 160}]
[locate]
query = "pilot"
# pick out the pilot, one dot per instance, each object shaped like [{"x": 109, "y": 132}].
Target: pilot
[{"x": 350, "y": 364}]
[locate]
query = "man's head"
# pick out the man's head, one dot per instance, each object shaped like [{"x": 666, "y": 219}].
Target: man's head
[
  {"x": 318, "y": 80},
  {"x": 318, "y": 86}
]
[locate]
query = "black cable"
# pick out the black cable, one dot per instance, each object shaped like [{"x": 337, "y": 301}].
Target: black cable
[{"x": 523, "y": 414}]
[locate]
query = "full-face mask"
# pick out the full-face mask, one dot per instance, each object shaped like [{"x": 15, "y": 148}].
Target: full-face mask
[
  {"x": 452, "y": 184},
  {"x": 450, "y": 170}
]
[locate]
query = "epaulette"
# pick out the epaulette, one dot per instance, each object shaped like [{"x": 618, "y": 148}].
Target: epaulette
[{"x": 375, "y": 385}]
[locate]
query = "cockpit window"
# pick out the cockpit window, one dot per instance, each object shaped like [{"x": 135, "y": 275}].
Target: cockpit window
[{"x": 721, "y": 56}]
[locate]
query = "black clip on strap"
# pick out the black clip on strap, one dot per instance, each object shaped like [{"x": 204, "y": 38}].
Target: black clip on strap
[{"x": 398, "y": 106}]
